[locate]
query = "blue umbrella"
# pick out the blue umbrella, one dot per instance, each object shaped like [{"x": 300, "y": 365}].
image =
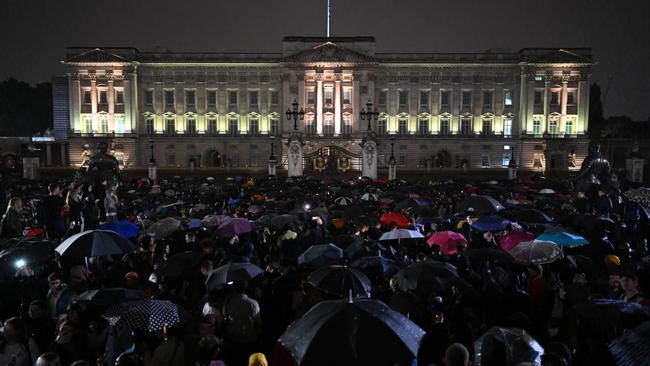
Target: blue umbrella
[
  {"x": 564, "y": 239},
  {"x": 124, "y": 228},
  {"x": 233, "y": 201},
  {"x": 491, "y": 223},
  {"x": 194, "y": 224}
]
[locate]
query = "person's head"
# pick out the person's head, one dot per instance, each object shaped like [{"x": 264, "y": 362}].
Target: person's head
[
  {"x": 37, "y": 310},
  {"x": 54, "y": 189},
  {"x": 208, "y": 348},
  {"x": 601, "y": 192},
  {"x": 14, "y": 330},
  {"x": 65, "y": 329},
  {"x": 15, "y": 203},
  {"x": 190, "y": 236},
  {"x": 55, "y": 282},
  {"x": 132, "y": 280},
  {"x": 48, "y": 359},
  {"x": 581, "y": 194},
  {"x": 257, "y": 359},
  {"x": 456, "y": 355},
  {"x": 629, "y": 282}
]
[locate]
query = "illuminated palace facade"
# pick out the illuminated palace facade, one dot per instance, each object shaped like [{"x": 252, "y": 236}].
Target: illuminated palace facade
[{"x": 227, "y": 110}]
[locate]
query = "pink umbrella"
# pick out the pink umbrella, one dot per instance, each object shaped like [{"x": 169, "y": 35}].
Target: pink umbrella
[
  {"x": 447, "y": 241},
  {"x": 511, "y": 239}
]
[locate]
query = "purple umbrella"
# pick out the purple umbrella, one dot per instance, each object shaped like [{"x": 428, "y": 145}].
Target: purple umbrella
[{"x": 234, "y": 226}]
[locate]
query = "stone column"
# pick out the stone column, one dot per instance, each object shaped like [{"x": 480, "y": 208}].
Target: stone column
[
  {"x": 93, "y": 98},
  {"x": 319, "y": 107},
  {"x": 547, "y": 101},
  {"x": 563, "y": 109},
  {"x": 75, "y": 104},
  {"x": 337, "y": 106},
  {"x": 111, "y": 106}
]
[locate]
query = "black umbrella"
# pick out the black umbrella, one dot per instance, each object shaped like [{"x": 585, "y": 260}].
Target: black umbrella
[
  {"x": 26, "y": 252},
  {"x": 617, "y": 313},
  {"x": 426, "y": 276},
  {"x": 320, "y": 255},
  {"x": 231, "y": 272},
  {"x": 483, "y": 205},
  {"x": 507, "y": 346},
  {"x": 110, "y": 296},
  {"x": 633, "y": 348},
  {"x": 341, "y": 281},
  {"x": 177, "y": 265},
  {"x": 94, "y": 243},
  {"x": 479, "y": 256},
  {"x": 362, "y": 332},
  {"x": 376, "y": 265},
  {"x": 147, "y": 315},
  {"x": 530, "y": 216}
]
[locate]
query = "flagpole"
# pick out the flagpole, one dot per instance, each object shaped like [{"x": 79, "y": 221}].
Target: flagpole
[{"x": 329, "y": 5}]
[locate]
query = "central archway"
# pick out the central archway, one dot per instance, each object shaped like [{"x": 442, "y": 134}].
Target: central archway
[{"x": 443, "y": 159}]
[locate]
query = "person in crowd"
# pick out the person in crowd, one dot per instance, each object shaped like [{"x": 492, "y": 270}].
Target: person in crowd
[
  {"x": 630, "y": 287},
  {"x": 53, "y": 205},
  {"x": 74, "y": 207},
  {"x": 59, "y": 296},
  {"x": 11, "y": 225},
  {"x": 16, "y": 347},
  {"x": 242, "y": 322},
  {"x": 110, "y": 205},
  {"x": 39, "y": 325}
]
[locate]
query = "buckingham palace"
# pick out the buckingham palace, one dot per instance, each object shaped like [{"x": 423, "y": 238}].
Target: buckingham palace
[{"x": 428, "y": 111}]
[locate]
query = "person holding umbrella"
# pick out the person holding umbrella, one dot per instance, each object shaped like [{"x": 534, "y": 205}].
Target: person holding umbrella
[{"x": 242, "y": 323}]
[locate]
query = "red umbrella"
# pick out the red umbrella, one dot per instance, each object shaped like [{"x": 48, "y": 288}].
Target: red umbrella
[
  {"x": 447, "y": 241},
  {"x": 396, "y": 217},
  {"x": 511, "y": 239}
]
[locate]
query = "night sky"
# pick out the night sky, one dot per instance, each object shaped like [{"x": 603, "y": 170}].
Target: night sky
[{"x": 34, "y": 34}]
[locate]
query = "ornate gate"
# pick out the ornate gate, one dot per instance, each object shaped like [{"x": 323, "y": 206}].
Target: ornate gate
[{"x": 331, "y": 159}]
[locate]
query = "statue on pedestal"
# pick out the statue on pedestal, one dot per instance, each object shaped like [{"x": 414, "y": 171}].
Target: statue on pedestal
[
  {"x": 596, "y": 174},
  {"x": 102, "y": 167}
]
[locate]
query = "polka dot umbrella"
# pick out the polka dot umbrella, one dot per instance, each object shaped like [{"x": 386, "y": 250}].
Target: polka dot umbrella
[{"x": 147, "y": 315}]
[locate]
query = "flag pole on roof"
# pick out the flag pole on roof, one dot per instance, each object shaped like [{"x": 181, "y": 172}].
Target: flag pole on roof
[{"x": 329, "y": 13}]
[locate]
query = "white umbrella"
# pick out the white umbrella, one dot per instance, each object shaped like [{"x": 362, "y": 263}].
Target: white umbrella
[
  {"x": 343, "y": 201},
  {"x": 401, "y": 234},
  {"x": 369, "y": 197},
  {"x": 537, "y": 251},
  {"x": 546, "y": 191}
]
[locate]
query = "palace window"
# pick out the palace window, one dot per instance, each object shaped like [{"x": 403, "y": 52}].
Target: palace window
[
  {"x": 347, "y": 96},
  {"x": 505, "y": 159},
  {"x": 485, "y": 161},
  {"x": 119, "y": 124},
  {"x": 555, "y": 98},
  {"x": 232, "y": 97},
  {"x": 465, "y": 126},
  {"x": 103, "y": 97},
  {"x": 212, "y": 126},
  {"x": 444, "y": 98},
  {"x": 381, "y": 126},
  {"x": 402, "y": 127},
  {"x": 190, "y": 98},
  {"x": 424, "y": 99},
  {"x": 212, "y": 98},
  {"x": 252, "y": 97},
  {"x": 148, "y": 98},
  {"x": 310, "y": 126},
  {"x": 232, "y": 126},
  {"x": 507, "y": 98},
  {"x": 275, "y": 126},
  {"x": 382, "y": 98},
  {"x": 347, "y": 124},
  {"x": 311, "y": 97},
  {"x": 88, "y": 124},
  {"x": 87, "y": 97},
  {"x": 537, "y": 127},
  {"x": 169, "y": 98},
  {"x": 329, "y": 96},
  {"x": 571, "y": 97},
  {"x": 171, "y": 160},
  {"x": 119, "y": 96},
  {"x": 423, "y": 126},
  {"x": 328, "y": 125},
  {"x": 170, "y": 128},
  {"x": 254, "y": 126},
  {"x": 539, "y": 97},
  {"x": 149, "y": 124},
  {"x": 507, "y": 126},
  {"x": 401, "y": 161},
  {"x": 568, "y": 127},
  {"x": 403, "y": 98},
  {"x": 552, "y": 127},
  {"x": 103, "y": 124},
  {"x": 487, "y": 126},
  {"x": 275, "y": 98},
  {"x": 467, "y": 98},
  {"x": 444, "y": 126},
  {"x": 487, "y": 99},
  {"x": 191, "y": 126}
]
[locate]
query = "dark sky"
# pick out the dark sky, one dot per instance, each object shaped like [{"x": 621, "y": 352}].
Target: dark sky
[{"x": 35, "y": 33}]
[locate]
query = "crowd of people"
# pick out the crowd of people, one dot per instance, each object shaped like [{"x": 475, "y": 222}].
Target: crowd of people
[{"x": 569, "y": 301}]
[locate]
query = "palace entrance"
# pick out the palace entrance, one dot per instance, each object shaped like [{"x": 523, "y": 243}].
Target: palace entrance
[{"x": 330, "y": 160}]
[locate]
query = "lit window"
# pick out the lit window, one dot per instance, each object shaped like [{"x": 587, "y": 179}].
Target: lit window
[
  {"x": 103, "y": 124},
  {"x": 537, "y": 126},
  {"x": 347, "y": 96},
  {"x": 552, "y": 127},
  {"x": 444, "y": 126},
  {"x": 507, "y": 98},
  {"x": 569, "y": 127},
  {"x": 505, "y": 160},
  {"x": 507, "y": 127},
  {"x": 539, "y": 78},
  {"x": 403, "y": 127},
  {"x": 88, "y": 124},
  {"x": 329, "y": 96},
  {"x": 254, "y": 126},
  {"x": 311, "y": 97},
  {"x": 119, "y": 124},
  {"x": 119, "y": 97}
]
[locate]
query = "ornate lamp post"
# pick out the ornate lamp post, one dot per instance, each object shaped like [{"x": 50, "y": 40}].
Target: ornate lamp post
[
  {"x": 153, "y": 169},
  {"x": 512, "y": 166},
  {"x": 392, "y": 164},
  {"x": 272, "y": 160},
  {"x": 295, "y": 114},
  {"x": 369, "y": 114}
]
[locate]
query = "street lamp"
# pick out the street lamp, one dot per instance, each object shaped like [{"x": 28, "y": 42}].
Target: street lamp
[
  {"x": 392, "y": 164},
  {"x": 272, "y": 160},
  {"x": 369, "y": 114},
  {"x": 152, "y": 160},
  {"x": 153, "y": 170},
  {"x": 295, "y": 114}
]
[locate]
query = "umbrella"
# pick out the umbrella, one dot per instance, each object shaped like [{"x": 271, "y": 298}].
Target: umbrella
[
  {"x": 393, "y": 217},
  {"x": 123, "y": 227},
  {"x": 426, "y": 276},
  {"x": 546, "y": 191},
  {"x": 447, "y": 241},
  {"x": 531, "y": 216},
  {"x": 476, "y": 256},
  {"x": 147, "y": 315},
  {"x": 412, "y": 203},
  {"x": 369, "y": 197},
  {"x": 343, "y": 201},
  {"x": 94, "y": 243},
  {"x": 165, "y": 227},
  {"x": 361, "y": 332},
  {"x": 491, "y": 223},
  {"x": 320, "y": 255},
  {"x": 378, "y": 266},
  {"x": 177, "y": 265},
  {"x": 511, "y": 239},
  {"x": 507, "y": 346},
  {"x": 213, "y": 220},
  {"x": 401, "y": 234},
  {"x": 341, "y": 281},
  {"x": 616, "y": 313},
  {"x": 564, "y": 239},
  {"x": 536, "y": 251},
  {"x": 633, "y": 348},
  {"x": 24, "y": 252},
  {"x": 231, "y": 272},
  {"x": 110, "y": 296},
  {"x": 282, "y": 221},
  {"x": 484, "y": 205},
  {"x": 234, "y": 226}
]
